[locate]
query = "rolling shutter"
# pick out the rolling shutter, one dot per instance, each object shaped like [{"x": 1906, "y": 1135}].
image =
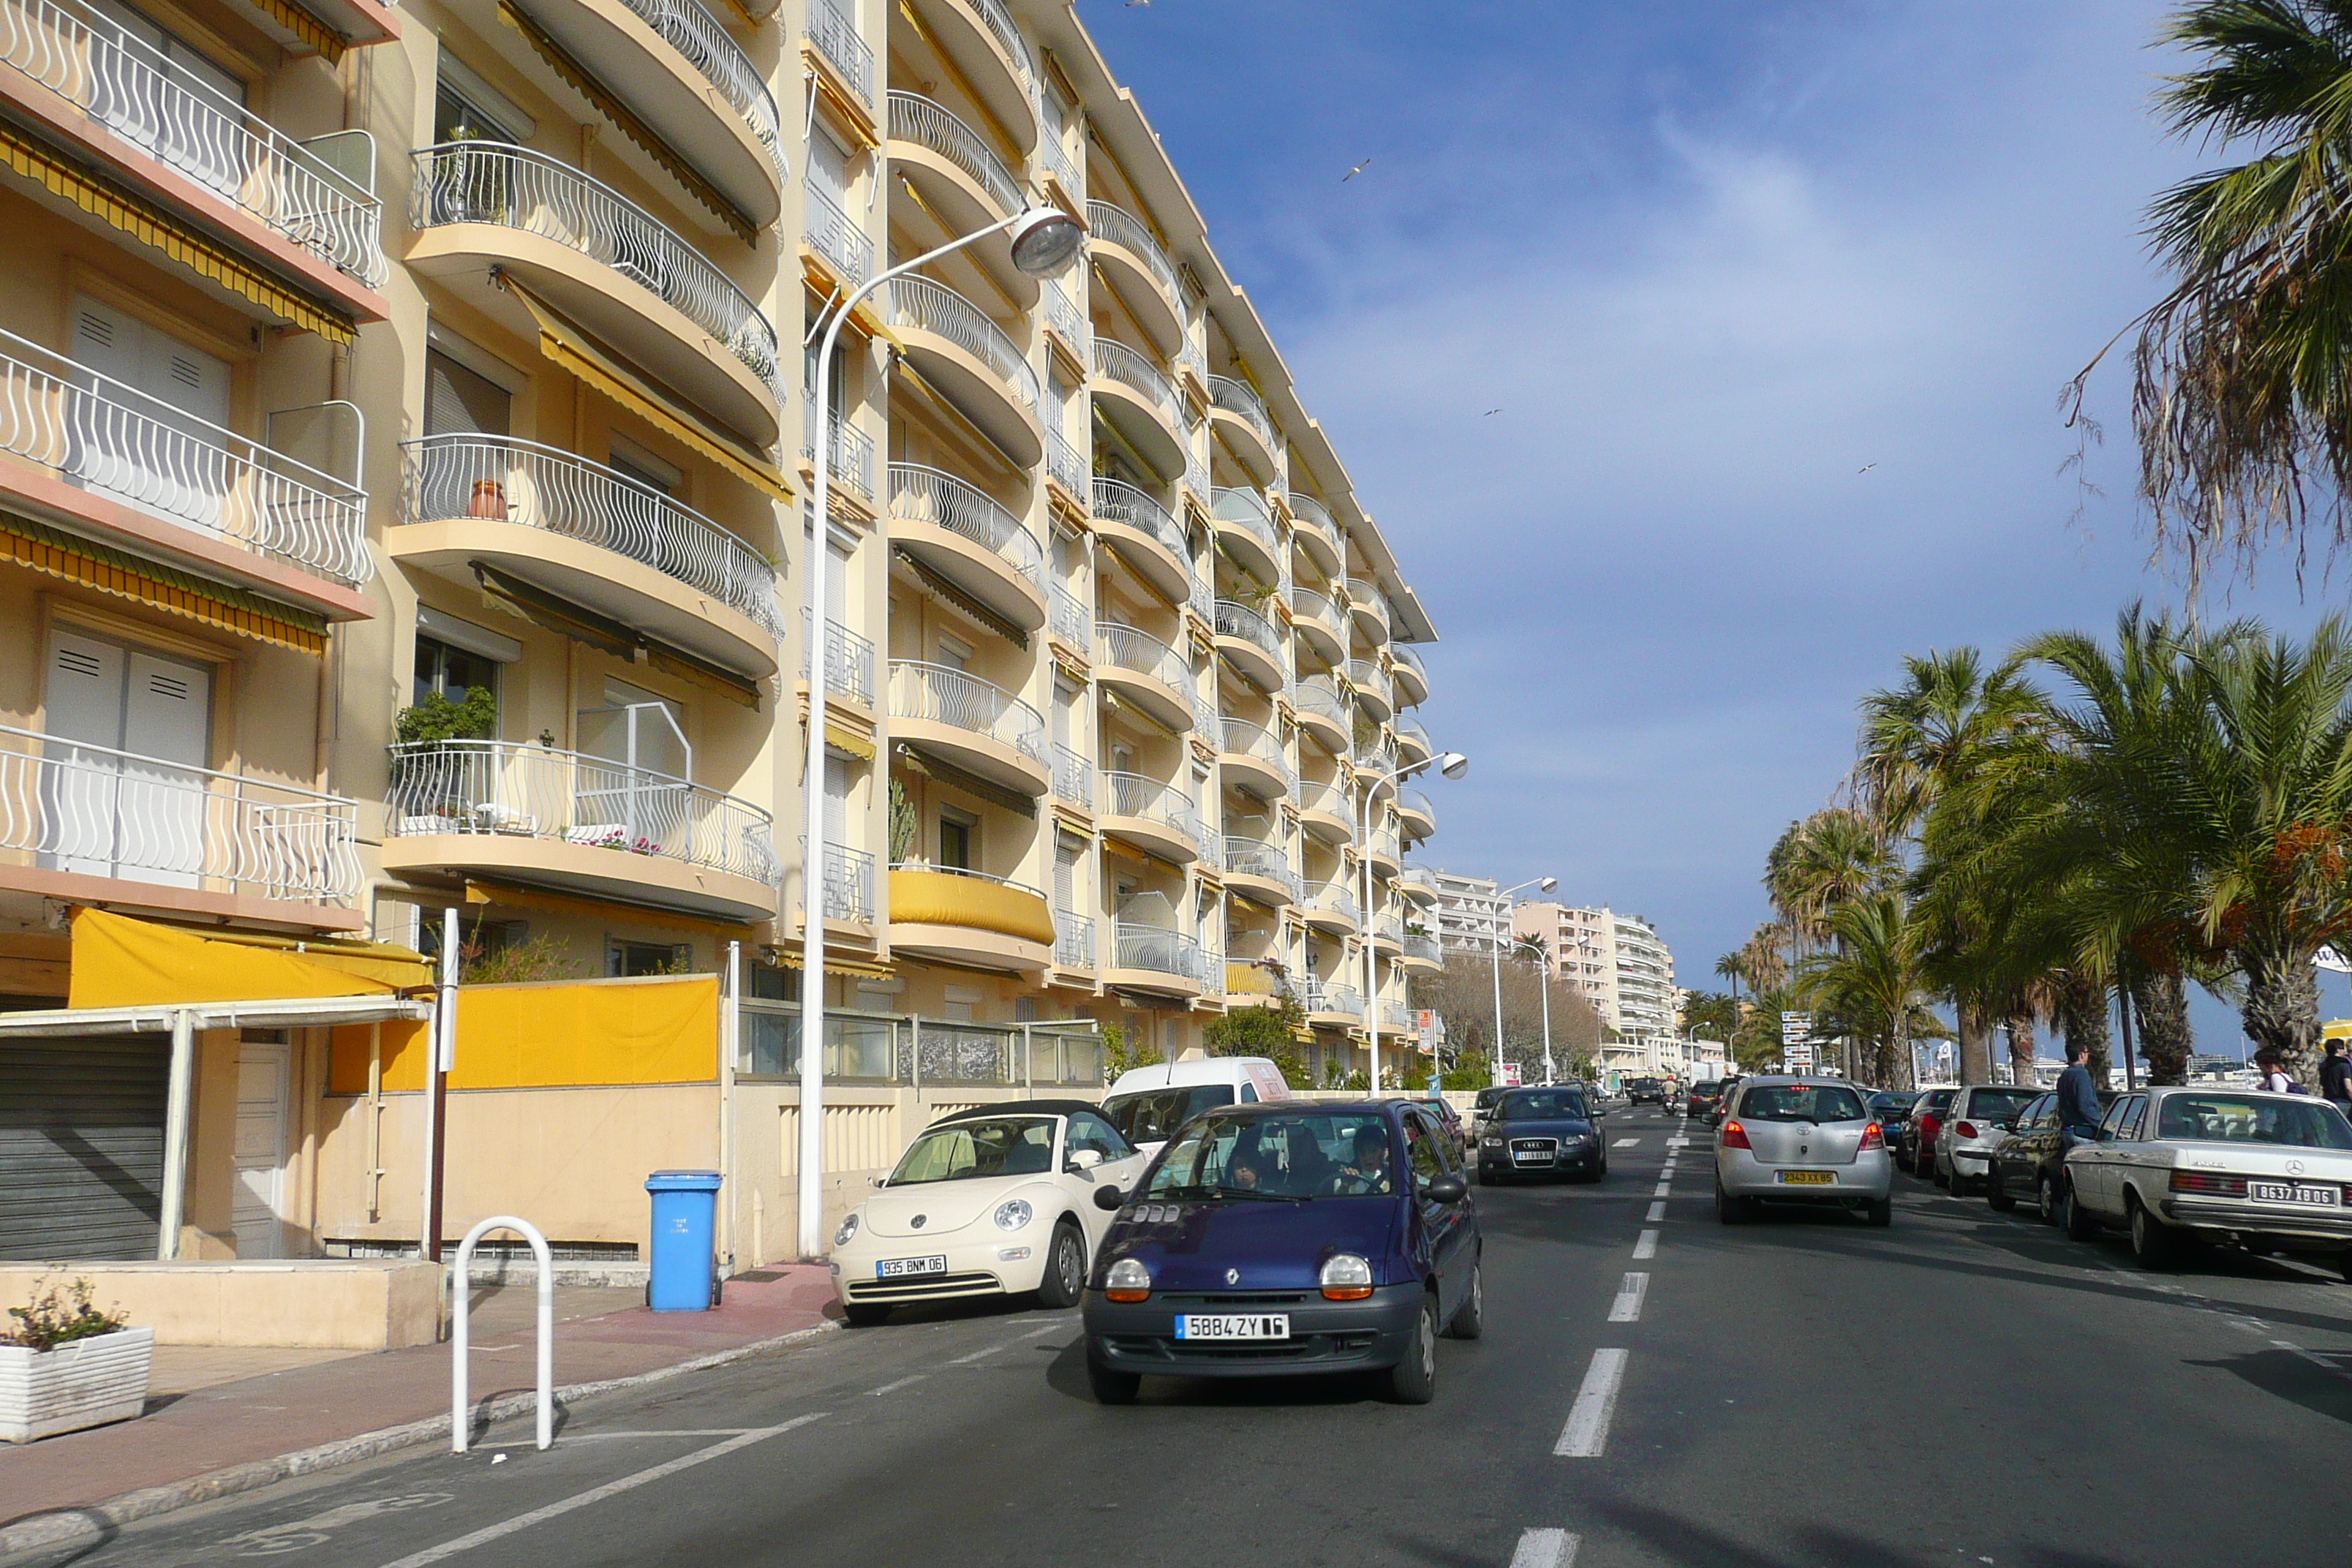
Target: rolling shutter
[{"x": 81, "y": 1147}]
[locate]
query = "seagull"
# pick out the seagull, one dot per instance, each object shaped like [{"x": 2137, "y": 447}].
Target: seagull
[
  {"x": 1131, "y": 5},
  {"x": 1354, "y": 172},
  {"x": 1864, "y": 470},
  {"x": 1490, "y": 414}
]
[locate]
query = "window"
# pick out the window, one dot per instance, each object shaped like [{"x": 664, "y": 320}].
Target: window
[
  {"x": 1088, "y": 1131},
  {"x": 458, "y": 116},
  {"x": 958, "y": 838},
  {"x": 451, "y": 672},
  {"x": 629, "y": 959},
  {"x": 1422, "y": 1152},
  {"x": 462, "y": 402},
  {"x": 2127, "y": 1130},
  {"x": 631, "y": 461},
  {"x": 2109, "y": 1125}
]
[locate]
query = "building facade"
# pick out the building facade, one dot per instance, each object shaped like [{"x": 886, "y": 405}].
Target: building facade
[{"x": 1619, "y": 962}]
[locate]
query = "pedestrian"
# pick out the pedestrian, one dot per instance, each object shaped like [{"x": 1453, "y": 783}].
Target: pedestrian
[
  {"x": 2335, "y": 1075},
  {"x": 2078, "y": 1098},
  {"x": 2271, "y": 1061}
]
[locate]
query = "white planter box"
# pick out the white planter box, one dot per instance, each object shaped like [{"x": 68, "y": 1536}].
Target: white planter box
[{"x": 87, "y": 1382}]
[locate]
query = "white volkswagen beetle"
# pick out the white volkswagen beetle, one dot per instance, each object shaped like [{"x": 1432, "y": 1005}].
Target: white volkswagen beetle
[{"x": 995, "y": 1201}]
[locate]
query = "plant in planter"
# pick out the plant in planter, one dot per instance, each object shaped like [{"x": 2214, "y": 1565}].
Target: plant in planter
[
  {"x": 422, "y": 771},
  {"x": 66, "y": 1364}
]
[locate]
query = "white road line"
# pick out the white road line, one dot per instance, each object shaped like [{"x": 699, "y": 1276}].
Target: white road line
[
  {"x": 521, "y": 1521},
  {"x": 1623, "y": 1143},
  {"x": 1647, "y": 1246},
  {"x": 1587, "y": 1432},
  {"x": 1545, "y": 1549},
  {"x": 1662, "y": 1189},
  {"x": 895, "y": 1387},
  {"x": 981, "y": 1354},
  {"x": 1055, "y": 1328},
  {"x": 1657, "y": 1211},
  {"x": 1627, "y": 1308},
  {"x": 677, "y": 1432}
]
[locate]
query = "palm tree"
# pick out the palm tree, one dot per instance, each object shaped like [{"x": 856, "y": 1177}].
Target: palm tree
[
  {"x": 1731, "y": 966},
  {"x": 1874, "y": 981}
]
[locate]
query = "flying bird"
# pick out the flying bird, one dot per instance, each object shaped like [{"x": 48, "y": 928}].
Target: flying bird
[
  {"x": 1864, "y": 470},
  {"x": 1356, "y": 171},
  {"x": 1131, "y": 5},
  {"x": 1490, "y": 414}
]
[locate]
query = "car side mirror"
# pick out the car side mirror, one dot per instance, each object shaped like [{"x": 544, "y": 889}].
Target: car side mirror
[
  {"x": 1109, "y": 1199},
  {"x": 1082, "y": 1160},
  {"x": 2107, "y": 1134},
  {"x": 1446, "y": 1190}
]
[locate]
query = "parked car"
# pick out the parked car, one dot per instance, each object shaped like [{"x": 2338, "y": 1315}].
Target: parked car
[
  {"x": 1702, "y": 1098},
  {"x": 1981, "y": 1116},
  {"x": 1802, "y": 1141},
  {"x": 1891, "y": 1106},
  {"x": 996, "y": 1201},
  {"x": 1650, "y": 1088},
  {"x": 1724, "y": 1088},
  {"x": 1275, "y": 1239},
  {"x": 2175, "y": 1165},
  {"x": 1149, "y": 1103},
  {"x": 1542, "y": 1132},
  {"x": 1914, "y": 1140},
  {"x": 2026, "y": 1163}
]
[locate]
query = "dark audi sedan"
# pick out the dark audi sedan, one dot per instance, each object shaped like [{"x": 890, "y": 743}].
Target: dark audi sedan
[
  {"x": 1279, "y": 1239},
  {"x": 1542, "y": 1132}
]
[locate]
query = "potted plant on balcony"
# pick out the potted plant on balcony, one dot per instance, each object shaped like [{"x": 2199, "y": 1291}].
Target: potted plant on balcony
[
  {"x": 418, "y": 776},
  {"x": 66, "y": 1364}
]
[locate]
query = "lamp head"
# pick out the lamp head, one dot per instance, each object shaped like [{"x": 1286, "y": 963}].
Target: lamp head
[
  {"x": 1044, "y": 239},
  {"x": 1454, "y": 764},
  {"x": 1547, "y": 884}
]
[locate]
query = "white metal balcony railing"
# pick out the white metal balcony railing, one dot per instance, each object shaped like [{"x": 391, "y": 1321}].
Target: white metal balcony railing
[
  {"x": 926, "y": 305},
  {"x": 1254, "y": 858},
  {"x": 913, "y": 118},
  {"x": 124, "y": 83},
  {"x": 1158, "y": 950},
  {"x": 1424, "y": 947},
  {"x": 1241, "y": 508},
  {"x": 696, "y": 34},
  {"x": 920, "y": 494},
  {"x": 1196, "y": 467},
  {"x": 848, "y": 660},
  {"x": 505, "y": 479},
  {"x": 1410, "y": 659},
  {"x": 1123, "y": 646},
  {"x": 1198, "y": 598},
  {"x": 836, "y": 38},
  {"x": 1307, "y": 605},
  {"x": 1413, "y": 876},
  {"x": 1375, "y": 756},
  {"x": 1189, "y": 356},
  {"x": 111, "y": 438},
  {"x": 1334, "y": 899},
  {"x": 100, "y": 812},
  {"x": 1317, "y": 517},
  {"x": 1115, "y": 501},
  {"x": 1116, "y": 226},
  {"x": 1316, "y": 696},
  {"x": 1008, "y": 37},
  {"x": 1063, "y": 316},
  {"x": 1074, "y": 939},
  {"x": 1074, "y": 778},
  {"x": 1396, "y": 1015},
  {"x": 1321, "y": 794},
  {"x": 852, "y": 458},
  {"x": 518, "y": 188},
  {"x": 940, "y": 695},
  {"x": 1416, "y": 802},
  {"x": 1148, "y": 800},
  {"x": 1366, "y": 675},
  {"x": 1123, "y": 364},
  {"x": 1411, "y": 731},
  {"x": 1235, "y": 619},
  {"x": 1054, "y": 149},
  {"x": 1239, "y": 737},
  {"x": 1366, "y": 595},
  {"x": 848, "y": 882},
  {"x": 830, "y": 234},
  {"x": 1322, "y": 996},
  {"x": 1238, "y": 397},
  {"x": 521, "y": 789},
  {"x": 1070, "y": 620},
  {"x": 1064, "y": 464}
]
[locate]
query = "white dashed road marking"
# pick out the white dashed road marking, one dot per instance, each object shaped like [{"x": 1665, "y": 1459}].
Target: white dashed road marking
[
  {"x": 1587, "y": 1432},
  {"x": 1662, "y": 1189},
  {"x": 1545, "y": 1549},
  {"x": 1657, "y": 1211},
  {"x": 1620, "y": 1143},
  {"x": 895, "y": 1387},
  {"x": 1627, "y": 1308},
  {"x": 1647, "y": 1246}
]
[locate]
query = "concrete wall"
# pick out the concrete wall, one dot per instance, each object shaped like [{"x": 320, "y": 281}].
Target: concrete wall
[{"x": 368, "y": 1304}]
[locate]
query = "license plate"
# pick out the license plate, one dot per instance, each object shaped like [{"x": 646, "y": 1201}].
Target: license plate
[
  {"x": 1232, "y": 1326},
  {"x": 2288, "y": 1192},
  {"x": 909, "y": 1268},
  {"x": 1530, "y": 1156},
  {"x": 1806, "y": 1178}
]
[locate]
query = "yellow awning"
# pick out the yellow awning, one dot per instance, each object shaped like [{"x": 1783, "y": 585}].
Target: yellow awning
[
  {"x": 856, "y": 745},
  {"x": 119, "y": 961},
  {"x": 563, "y": 1034},
  {"x": 602, "y": 909},
  {"x": 70, "y": 559},
  {"x": 832, "y": 965},
  {"x": 330, "y": 44}
]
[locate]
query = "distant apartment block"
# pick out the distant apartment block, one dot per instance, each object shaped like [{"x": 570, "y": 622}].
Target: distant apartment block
[{"x": 1617, "y": 961}]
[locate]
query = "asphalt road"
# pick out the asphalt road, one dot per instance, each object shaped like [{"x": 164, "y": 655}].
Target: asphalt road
[{"x": 1965, "y": 1388}]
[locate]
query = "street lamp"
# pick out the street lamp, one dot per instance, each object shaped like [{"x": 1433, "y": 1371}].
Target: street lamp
[
  {"x": 1043, "y": 239},
  {"x": 1551, "y": 1073},
  {"x": 1452, "y": 765},
  {"x": 1541, "y": 885}
]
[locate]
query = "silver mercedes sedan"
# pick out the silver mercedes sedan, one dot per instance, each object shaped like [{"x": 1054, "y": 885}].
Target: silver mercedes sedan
[{"x": 1787, "y": 1139}]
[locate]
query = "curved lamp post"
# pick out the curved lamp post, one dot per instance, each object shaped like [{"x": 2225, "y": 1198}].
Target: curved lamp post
[
  {"x": 1452, "y": 765},
  {"x": 1043, "y": 239},
  {"x": 1541, "y": 885}
]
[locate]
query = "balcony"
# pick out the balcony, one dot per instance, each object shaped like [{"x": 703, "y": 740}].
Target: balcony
[
  {"x": 1071, "y": 621},
  {"x": 1331, "y": 907},
  {"x": 77, "y": 820},
  {"x": 531, "y": 813},
  {"x": 1371, "y": 609},
  {"x": 835, "y": 39},
  {"x": 1332, "y": 1006},
  {"x": 1416, "y": 882},
  {"x": 1074, "y": 778},
  {"x": 1136, "y": 266},
  {"x": 848, "y": 662},
  {"x": 1419, "y": 817},
  {"x": 1326, "y": 811},
  {"x": 112, "y": 458},
  {"x": 848, "y": 883},
  {"x": 959, "y": 178},
  {"x": 956, "y": 348},
  {"x": 1154, "y": 961},
  {"x": 1237, "y": 412},
  {"x": 1064, "y": 464},
  {"x": 961, "y": 534},
  {"x": 850, "y": 463},
  {"x": 841, "y": 244},
  {"x": 1252, "y": 758},
  {"x": 1422, "y": 954},
  {"x": 956, "y": 916},
  {"x": 1321, "y": 623},
  {"x": 1067, "y": 322},
  {"x": 589, "y": 535},
  {"x": 1137, "y": 396},
  {"x": 1388, "y": 938},
  {"x": 1145, "y": 671},
  {"x": 973, "y": 724},
  {"x": 1244, "y": 527},
  {"x": 1323, "y": 712},
  {"x": 602, "y": 260},
  {"x": 1249, "y": 642},
  {"x": 1374, "y": 762},
  {"x": 1312, "y": 527},
  {"x": 1074, "y": 939},
  {"x": 1154, "y": 816},
  {"x": 1371, "y": 687},
  {"x": 1413, "y": 742},
  {"x": 1383, "y": 852},
  {"x": 1144, "y": 536},
  {"x": 1259, "y": 871},
  {"x": 1411, "y": 677},
  {"x": 987, "y": 51}
]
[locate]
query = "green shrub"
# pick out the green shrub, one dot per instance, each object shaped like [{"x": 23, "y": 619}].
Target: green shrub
[{"x": 60, "y": 1315}]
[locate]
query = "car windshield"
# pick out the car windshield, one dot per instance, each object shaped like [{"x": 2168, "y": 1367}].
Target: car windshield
[
  {"x": 1801, "y": 1103},
  {"x": 991, "y": 1146},
  {"x": 1889, "y": 1105},
  {"x": 1543, "y": 1105},
  {"x": 1153, "y": 1115},
  {"x": 2250, "y": 1119},
  {"x": 1291, "y": 1154},
  {"x": 2000, "y": 1104},
  {"x": 1936, "y": 1100}
]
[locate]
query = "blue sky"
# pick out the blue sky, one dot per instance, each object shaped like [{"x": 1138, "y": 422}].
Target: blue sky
[{"x": 1711, "y": 260}]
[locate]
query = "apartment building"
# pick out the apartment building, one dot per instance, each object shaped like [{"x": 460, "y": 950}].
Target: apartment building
[
  {"x": 1473, "y": 916},
  {"x": 1619, "y": 962},
  {"x": 405, "y": 506}
]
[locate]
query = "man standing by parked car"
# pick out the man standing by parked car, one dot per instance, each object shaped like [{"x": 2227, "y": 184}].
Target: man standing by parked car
[
  {"x": 2078, "y": 1099},
  {"x": 2336, "y": 1077}
]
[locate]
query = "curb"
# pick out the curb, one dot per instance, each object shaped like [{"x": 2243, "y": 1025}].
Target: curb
[{"x": 67, "y": 1526}]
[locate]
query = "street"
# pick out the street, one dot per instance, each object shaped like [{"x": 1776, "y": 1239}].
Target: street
[{"x": 1653, "y": 1388}]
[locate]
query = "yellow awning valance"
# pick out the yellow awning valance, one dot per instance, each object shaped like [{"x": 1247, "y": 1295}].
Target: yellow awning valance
[
  {"x": 70, "y": 559},
  {"x": 843, "y": 740},
  {"x": 600, "y": 909},
  {"x": 330, "y": 44},
  {"x": 119, "y": 961},
  {"x": 834, "y": 965}
]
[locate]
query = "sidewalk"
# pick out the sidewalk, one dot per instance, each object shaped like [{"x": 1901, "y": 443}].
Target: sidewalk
[{"x": 186, "y": 1439}]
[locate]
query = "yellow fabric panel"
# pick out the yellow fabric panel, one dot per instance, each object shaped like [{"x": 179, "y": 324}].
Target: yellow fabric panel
[
  {"x": 572, "y": 1033},
  {"x": 1248, "y": 980},
  {"x": 856, "y": 745},
  {"x": 386, "y": 961},
  {"x": 504, "y": 895},
  {"x": 937, "y": 898},
  {"x": 119, "y": 961},
  {"x": 2337, "y": 1029},
  {"x": 308, "y": 29},
  {"x": 404, "y": 1054},
  {"x": 153, "y": 588}
]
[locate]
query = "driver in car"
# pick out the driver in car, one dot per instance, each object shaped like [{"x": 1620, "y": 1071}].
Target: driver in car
[{"x": 1369, "y": 1171}]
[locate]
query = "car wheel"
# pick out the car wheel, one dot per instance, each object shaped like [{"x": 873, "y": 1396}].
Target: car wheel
[
  {"x": 2080, "y": 1224},
  {"x": 1957, "y": 1183},
  {"x": 866, "y": 1314},
  {"x": 2045, "y": 1199},
  {"x": 1882, "y": 1212},
  {"x": 1935, "y": 1172},
  {"x": 1065, "y": 1268},
  {"x": 2152, "y": 1245},
  {"x": 1414, "y": 1380},
  {"x": 2344, "y": 1262},
  {"x": 1998, "y": 1198},
  {"x": 1470, "y": 1317},
  {"x": 1727, "y": 1209},
  {"x": 1112, "y": 1387}
]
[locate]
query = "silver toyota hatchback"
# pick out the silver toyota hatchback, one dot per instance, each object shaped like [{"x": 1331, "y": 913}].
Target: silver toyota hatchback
[{"x": 1788, "y": 1140}]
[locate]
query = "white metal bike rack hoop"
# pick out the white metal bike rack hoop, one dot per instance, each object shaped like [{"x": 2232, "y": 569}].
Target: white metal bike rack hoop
[{"x": 460, "y": 1419}]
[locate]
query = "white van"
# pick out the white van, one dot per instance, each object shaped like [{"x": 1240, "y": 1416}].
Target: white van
[{"x": 1147, "y": 1104}]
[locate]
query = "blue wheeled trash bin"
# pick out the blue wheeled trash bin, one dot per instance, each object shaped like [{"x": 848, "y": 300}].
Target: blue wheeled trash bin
[{"x": 681, "y": 1277}]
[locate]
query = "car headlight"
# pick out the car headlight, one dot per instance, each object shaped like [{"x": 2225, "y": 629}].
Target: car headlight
[
  {"x": 847, "y": 1233},
  {"x": 1494, "y": 1142},
  {"x": 1347, "y": 1278},
  {"x": 1127, "y": 1280},
  {"x": 1012, "y": 1214}
]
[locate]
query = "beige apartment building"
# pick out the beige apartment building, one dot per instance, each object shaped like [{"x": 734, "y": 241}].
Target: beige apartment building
[
  {"x": 1619, "y": 962},
  {"x": 405, "y": 477}
]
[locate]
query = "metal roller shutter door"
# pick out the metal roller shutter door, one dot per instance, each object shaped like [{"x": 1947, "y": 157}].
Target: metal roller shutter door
[{"x": 82, "y": 1147}]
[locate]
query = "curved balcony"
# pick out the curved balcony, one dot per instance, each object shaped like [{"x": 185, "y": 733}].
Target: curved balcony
[
  {"x": 1419, "y": 817},
  {"x": 1148, "y": 540},
  {"x": 1131, "y": 258},
  {"x": 1259, "y": 871},
  {"x": 1416, "y": 882},
  {"x": 1250, "y": 642},
  {"x": 1383, "y": 853},
  {"x": 1321, "y": 623},
  {"x": 958, "y": 531},
  {"x": 1374, "y": 761},
  {"x": 1137, "y": 396},
  {"x": 1413, "y": 742},
  {"x": 590, "y": 535},
  {"x": 1151, "y": 816},
  {"x": 523, "y": 812},
  {"x": 1312, "y": 526},
  {"x": 1372, "y": 609},
  {"x": 969, "y": 917},
  {"x": 1323, "y": 714},
  {"x": 1422, "y": 955},
  {"x": 974, "y": 724},
  {"x": 960, "y": 179},
  {"x": 1388, "y": 939},
  {"x": 1145, "y": 671},
  {"x": 1243, "y": 524},
  {"x": 602, "y": 260},
  {"x": 985, "y": 48},
  {"x": 1237, "y": 412},
  {"x": 956, "y": 348},
  {"x": 676, "y": 67},
  {"x": 1252, "y": 758},
  {"x": 1332, "y": 1006},
  {"x": 1410, "y": 675},
  {"x": 1155, "y": 961},
  {"x": 1371, "y": 687},
  {"x": 1326, "y": 811}
]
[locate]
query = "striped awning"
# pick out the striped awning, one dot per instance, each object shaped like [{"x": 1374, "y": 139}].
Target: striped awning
[{"x": 70, "y": 558}]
